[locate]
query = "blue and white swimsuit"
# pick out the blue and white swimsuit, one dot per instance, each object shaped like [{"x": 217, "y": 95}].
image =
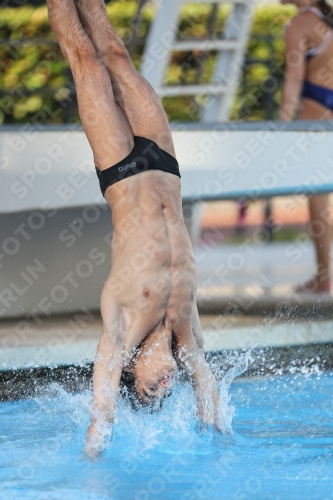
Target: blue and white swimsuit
[{"x": 318, "y": 93}]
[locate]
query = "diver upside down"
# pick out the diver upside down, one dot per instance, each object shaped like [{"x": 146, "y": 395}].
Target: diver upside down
[{"x": 148, "y": 303}]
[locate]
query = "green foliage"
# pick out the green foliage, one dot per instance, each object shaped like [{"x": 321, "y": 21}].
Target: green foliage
[{"x": 34, "y": 76}]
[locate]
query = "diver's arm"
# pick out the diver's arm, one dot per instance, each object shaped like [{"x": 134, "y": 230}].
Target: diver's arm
[
  {"x": 190, "y": 354},
  {"x": 295, "y": 70},
  {"x": 205, "y": 389},
  {"x": 203, "y": 380},
  {"x": 107, "y": 373}
]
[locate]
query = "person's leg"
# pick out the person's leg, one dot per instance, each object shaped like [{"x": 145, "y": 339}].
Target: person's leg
[
  {"x": 105, "y": 125},
  {"x": 321, "y": 234},
  {"x": 320, "y": 228},
  {"x": 133, "y": 93}
]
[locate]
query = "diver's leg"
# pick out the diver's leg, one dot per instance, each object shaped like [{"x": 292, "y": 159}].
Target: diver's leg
[
  {"x": 133, "y": 93},
  {"x": 105, "y": 125}
]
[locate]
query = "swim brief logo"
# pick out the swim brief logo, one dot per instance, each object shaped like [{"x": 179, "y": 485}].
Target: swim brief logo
[{"x": 126, "y": 167}]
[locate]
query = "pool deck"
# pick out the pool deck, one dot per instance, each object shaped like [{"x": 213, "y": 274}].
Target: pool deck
[
  {"x": 72, "y": 340},
  {"x": 256, "y": 272},
  {"x": 56, "y": 352}
]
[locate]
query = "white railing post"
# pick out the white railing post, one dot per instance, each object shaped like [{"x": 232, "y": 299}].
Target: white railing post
[
  {"x": 230, "y": 47},
  {"x": 160, "y": 42}
]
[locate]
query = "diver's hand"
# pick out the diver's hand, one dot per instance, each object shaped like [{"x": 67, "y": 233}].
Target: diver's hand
[
  {"x": 97, "y": 438},
  {"x": 209, "y": 413},
  {"x": 94, "y": 444}
]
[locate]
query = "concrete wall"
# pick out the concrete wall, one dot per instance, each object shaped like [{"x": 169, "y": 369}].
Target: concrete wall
[{"x": 53, "y": 262}]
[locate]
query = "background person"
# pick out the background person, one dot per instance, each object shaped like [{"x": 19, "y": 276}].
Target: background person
[{"x": 308, "y": 95}]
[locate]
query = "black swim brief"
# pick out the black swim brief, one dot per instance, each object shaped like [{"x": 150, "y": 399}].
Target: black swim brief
[{"x": 146, "y": 155}]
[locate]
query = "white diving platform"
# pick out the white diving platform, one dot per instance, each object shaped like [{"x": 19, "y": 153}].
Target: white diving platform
[{"x": 54, "y": 166}]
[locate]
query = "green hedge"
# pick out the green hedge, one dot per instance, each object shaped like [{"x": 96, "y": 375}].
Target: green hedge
[{"x": 33, "y": 77}]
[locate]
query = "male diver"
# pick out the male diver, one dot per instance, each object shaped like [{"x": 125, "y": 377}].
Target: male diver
[{"x": 148, "y": 303}]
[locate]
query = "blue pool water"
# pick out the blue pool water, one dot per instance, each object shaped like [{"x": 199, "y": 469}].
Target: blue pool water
[{"x": 282, "y": 447}]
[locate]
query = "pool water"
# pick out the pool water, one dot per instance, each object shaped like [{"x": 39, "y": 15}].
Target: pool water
[{"x": 281, "y": 448}]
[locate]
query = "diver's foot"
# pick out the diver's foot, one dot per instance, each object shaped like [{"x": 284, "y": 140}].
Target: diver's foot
[{"x": 314, "y": 285}]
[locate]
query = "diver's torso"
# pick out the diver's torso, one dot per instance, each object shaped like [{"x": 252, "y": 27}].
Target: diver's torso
[{"x": 152, "y": 267}]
